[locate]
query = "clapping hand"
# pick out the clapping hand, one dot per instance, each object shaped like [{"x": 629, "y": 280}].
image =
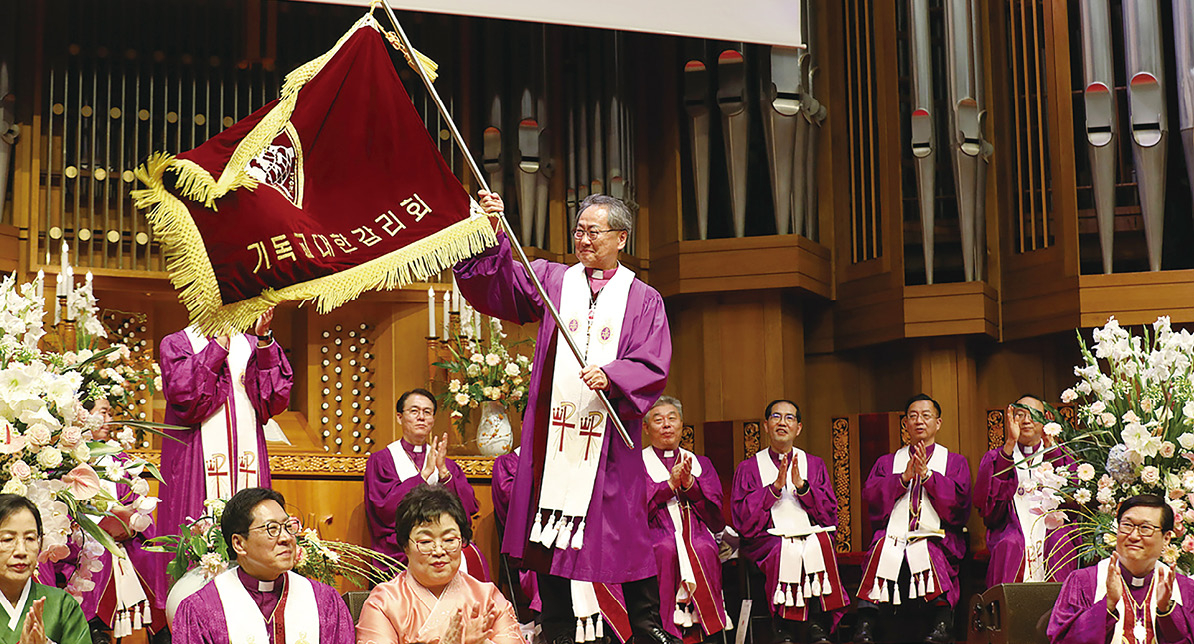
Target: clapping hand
[
  {"x": 1115, "y": 584},
  {"x": 1011, "y": 431},
  {"x": 681, "y": 478},
  {"x": 785, "y": 461},
  {"x": 469, "y": 626}
]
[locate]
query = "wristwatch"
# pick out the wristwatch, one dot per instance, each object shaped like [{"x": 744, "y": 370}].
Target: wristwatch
[{"x": 265, "y": 340}]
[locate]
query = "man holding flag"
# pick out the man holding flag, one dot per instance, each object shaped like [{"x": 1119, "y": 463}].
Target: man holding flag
[{"x": 572, "y": 511}]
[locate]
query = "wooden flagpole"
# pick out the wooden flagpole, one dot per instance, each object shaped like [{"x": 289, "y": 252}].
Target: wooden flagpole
[{"x": 509, "y": 230}]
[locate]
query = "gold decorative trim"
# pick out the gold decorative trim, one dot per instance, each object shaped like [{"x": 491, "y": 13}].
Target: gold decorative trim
[
  {"x": 475, "y": 467},
  {"x": 994, "y": 428},
  {"x": 688, "y": 437},
  {"x": 750, "y": 440},
  {"x": 841, "y": 482}
]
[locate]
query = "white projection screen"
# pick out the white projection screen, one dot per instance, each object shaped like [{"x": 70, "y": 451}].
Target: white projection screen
[{"x": 768, "y": 22}]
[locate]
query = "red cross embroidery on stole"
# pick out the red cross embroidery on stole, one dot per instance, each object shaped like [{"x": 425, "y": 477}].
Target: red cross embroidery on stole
[
  {"x": 589, "y": 428},
  {"x": 248, "y": 463},
  {"x": 215, "y": 469},
  {"x": 559, "y": 418}
]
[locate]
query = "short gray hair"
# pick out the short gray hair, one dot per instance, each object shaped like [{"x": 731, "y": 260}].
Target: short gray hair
[
  {"x": 667, "y": 400},
  {"x": 616, "y": 210}
]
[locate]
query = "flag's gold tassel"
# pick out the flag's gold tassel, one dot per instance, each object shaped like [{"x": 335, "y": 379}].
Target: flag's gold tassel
[{"x": 430, "y": 66}]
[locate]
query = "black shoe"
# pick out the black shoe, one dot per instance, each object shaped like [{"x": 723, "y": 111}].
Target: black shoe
[
  {"x": 655, "y": 635},
  {"x": 942, "y": 634},
  {"x": 564, "y": 639},
  {"x": 817, "y": 634},
  {"x": 864, "y": 629}
]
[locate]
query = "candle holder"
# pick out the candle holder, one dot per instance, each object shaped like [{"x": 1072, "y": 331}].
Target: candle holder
[{"x": 61, "y": 337}]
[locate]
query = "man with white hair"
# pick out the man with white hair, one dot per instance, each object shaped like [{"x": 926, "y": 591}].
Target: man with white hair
[
  {"x": 570, "y": 515},
  {"x": 684, "y": 498}
]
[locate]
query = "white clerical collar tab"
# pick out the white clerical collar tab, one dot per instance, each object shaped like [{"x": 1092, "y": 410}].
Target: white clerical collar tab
[
  {"x": 418, "y": 449},
  {"x": 597, "y": 274},
  {"x": 667, "y": 453},
  {"x": 1137, "y": 582},
  {"x": 265, "y": 586}
]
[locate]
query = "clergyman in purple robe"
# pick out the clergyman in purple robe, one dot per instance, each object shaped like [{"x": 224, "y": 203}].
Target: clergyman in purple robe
[
  {"x": 405, "y": 464},
  {"x": 684, "y": 513},
  {"x": 784, "y": 507},
  {"x": 261, "y": 599},
  {"x": 1131, "y": 596},
  {"x": 1024, "y": 545},
  {"x": 223, "y": 390},
  {"x": 572, "y": 514},
  {"x": 921, "y": 494}
]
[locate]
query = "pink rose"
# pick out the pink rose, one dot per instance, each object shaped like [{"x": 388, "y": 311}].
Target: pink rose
[
  {"x": 1188, "y": 543},
  {"x": 1190, "y": 515},
  {"x": 20, "y": 469},
  {"x": 71, "y": 436},
  {"x": 39, "y": 435}
]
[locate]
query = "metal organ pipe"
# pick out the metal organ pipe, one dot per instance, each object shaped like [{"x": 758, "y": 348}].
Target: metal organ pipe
[
  {"x": 1146, "y": 108},
  {"x": 731, "y": 98},
  {"x": 1099, "y": 98},
  {"x": 964, "y": 122},
  {"x": 922, "y": 126}
]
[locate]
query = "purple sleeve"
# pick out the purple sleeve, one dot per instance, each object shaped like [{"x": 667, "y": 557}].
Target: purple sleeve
[
  {"x": 1178, "y": 626},
  {"x": 1077, "y": 618},
  {"x": 460, "y": 485},
  {"x": 819, "y": 500},
  {"x": 705, "y": 496},
  {"x": 335, "y": 622},
  {"x": 503, "y": 485},
  {"x": 639, "y": 375},
  {"x": 383, "y": 492},
  {"x": 658, "y": 494},
  {"x": 750, "y": 501},
  {"x": 496, "y": 285},
  {"x": 882, "y": 490},
  {"x": 192, "y": 622},
  {"x": 950, "y": 493},
  {"x": 995, "y": 487},
  {"x": 194, "y": 384},
  {"x": 268, "y": 379}
]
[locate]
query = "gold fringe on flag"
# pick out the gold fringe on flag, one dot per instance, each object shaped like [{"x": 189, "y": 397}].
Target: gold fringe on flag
[{"x": 190, "y": 267}]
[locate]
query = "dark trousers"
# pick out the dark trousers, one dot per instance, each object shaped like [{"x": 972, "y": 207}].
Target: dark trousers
[{"x": 559, "y": 624}]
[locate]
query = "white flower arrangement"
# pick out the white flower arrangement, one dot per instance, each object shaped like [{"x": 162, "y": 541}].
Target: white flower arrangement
[
  {"x": 478, "y": 373},
  {"x": 1134, "y": 404}
]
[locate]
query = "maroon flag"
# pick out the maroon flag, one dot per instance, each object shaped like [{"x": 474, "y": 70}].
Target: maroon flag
[{"x": 333, "y": 189}]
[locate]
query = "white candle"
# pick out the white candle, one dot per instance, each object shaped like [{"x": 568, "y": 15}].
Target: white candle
[
  {"x": 57, "y": 315},
  {"x": 477, "y": 321},
  {"x": 63, "y": 267},
  {"x": 41, "y": 294},
  {"x": 447, "y": 302},
  {"x": 430, "y": 312},
  {"x": 455, "y": 294}
]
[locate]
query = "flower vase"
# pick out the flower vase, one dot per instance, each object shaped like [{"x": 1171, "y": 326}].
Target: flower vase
[{"x": 495, "y": 436}]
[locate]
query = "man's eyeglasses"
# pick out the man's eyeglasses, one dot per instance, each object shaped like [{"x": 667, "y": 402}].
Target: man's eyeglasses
[
  {"x": 1143, "y": 529},
  {"x": 776, "y": 417},
  {"x": 581, "y": 233},
  {"x": 419, "y": 413},
  {"x": 913, "y": 416},
  {"x": 449, "y": 544},
  {"x": 274, "y": 529}
]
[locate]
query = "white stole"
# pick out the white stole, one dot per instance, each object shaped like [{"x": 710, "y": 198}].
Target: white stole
[
  {"x": 230, "y": 456},
  {"x": 246, "y": 624},
  {"x": 590, "y": 625},
  {"x": 577, "y": 420},
  {"x": 404, "y": 465},
  {"x": 802, "y": 568},
  {"x": 132, "y": 604},
  {"x": 1117, "y": 636},
  {"x": 1032, "y": 525},
  {"x": 660, "y": 473},
  {"x": 899, "y": 544}
]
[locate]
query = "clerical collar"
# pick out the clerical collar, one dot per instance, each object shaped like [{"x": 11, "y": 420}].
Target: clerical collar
[
  {"x": 601, "y": 274},
  {"x": 252, "y": 583},
  {"x": 14, "y": 611},
  {"x": 411, "y": 447},
  {"x": 664, "y": 453},
  {"x": 1133, "y": 581},
  {"x": 1029, "y": 450}
]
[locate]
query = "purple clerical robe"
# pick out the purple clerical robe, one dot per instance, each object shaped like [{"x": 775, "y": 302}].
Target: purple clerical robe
[
  {"x": 1080, "y": 615},
  {"x": 504, "y": 468},
  {"x": 704, "y": 499},
  {"x": 200, "y": 617},
  {"x": 751, "y": 499},
  {"x": 950, "y": 496},
  {"x": 617, "y": 546},
  {"x": 384, "y": 491},
  {"x": 993, "y": 493},
  {"x": 195, "y": 386}
]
